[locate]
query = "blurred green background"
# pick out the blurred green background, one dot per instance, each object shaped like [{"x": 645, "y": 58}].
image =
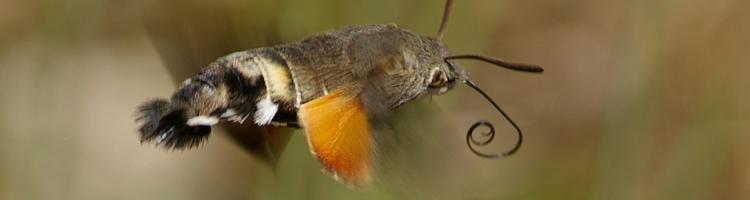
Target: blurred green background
[{"x": 640, "y": 100}]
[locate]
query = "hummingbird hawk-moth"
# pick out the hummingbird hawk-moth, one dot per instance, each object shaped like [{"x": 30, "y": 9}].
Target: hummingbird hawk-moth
[{"x": 333, "y": 84}]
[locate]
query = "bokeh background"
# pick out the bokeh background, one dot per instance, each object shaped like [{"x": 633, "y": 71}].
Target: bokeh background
[{"x": 640, "y": 99}]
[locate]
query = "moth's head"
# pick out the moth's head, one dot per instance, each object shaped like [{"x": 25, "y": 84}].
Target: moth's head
[
  {"x": 437, "y": 73},
  {"x": 416, "y": 68},
  {"x": 442, "y": 76},
  {"x": 185, "y": 120}
]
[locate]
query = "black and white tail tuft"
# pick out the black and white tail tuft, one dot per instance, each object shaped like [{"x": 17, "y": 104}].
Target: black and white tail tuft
[{"x": 167, "y": 127}]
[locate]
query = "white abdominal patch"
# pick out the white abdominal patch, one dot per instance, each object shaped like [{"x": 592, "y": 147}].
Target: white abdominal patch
[
  {"x": 266, "y": 111},
  {"x": 202, "y": 121}
]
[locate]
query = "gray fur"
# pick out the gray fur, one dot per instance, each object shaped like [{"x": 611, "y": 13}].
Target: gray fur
[
  {"x": 398, "y": 62},
  {"x": 384, "y": 65}
]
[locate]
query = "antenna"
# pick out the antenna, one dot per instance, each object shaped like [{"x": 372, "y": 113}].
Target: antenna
[
  {"x": 509, "y": 65},
  {"x": 444, "y": 22}
]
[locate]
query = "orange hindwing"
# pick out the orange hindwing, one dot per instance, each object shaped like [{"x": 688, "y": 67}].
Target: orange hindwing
[{"x": 338, "y": 132}]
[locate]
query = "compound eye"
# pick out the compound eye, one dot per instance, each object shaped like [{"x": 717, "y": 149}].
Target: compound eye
[{"x": 439, "y": 79}]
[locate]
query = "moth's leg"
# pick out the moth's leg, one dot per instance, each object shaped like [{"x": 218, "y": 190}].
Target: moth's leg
[
  {"x": 286, "y": 119},
  {"x": 293, "y": 124}
]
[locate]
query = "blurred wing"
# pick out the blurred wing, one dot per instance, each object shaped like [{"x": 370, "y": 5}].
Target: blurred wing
[
  {"x": 338, "y": 132},
  {"x": 266, "y": 143}
]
